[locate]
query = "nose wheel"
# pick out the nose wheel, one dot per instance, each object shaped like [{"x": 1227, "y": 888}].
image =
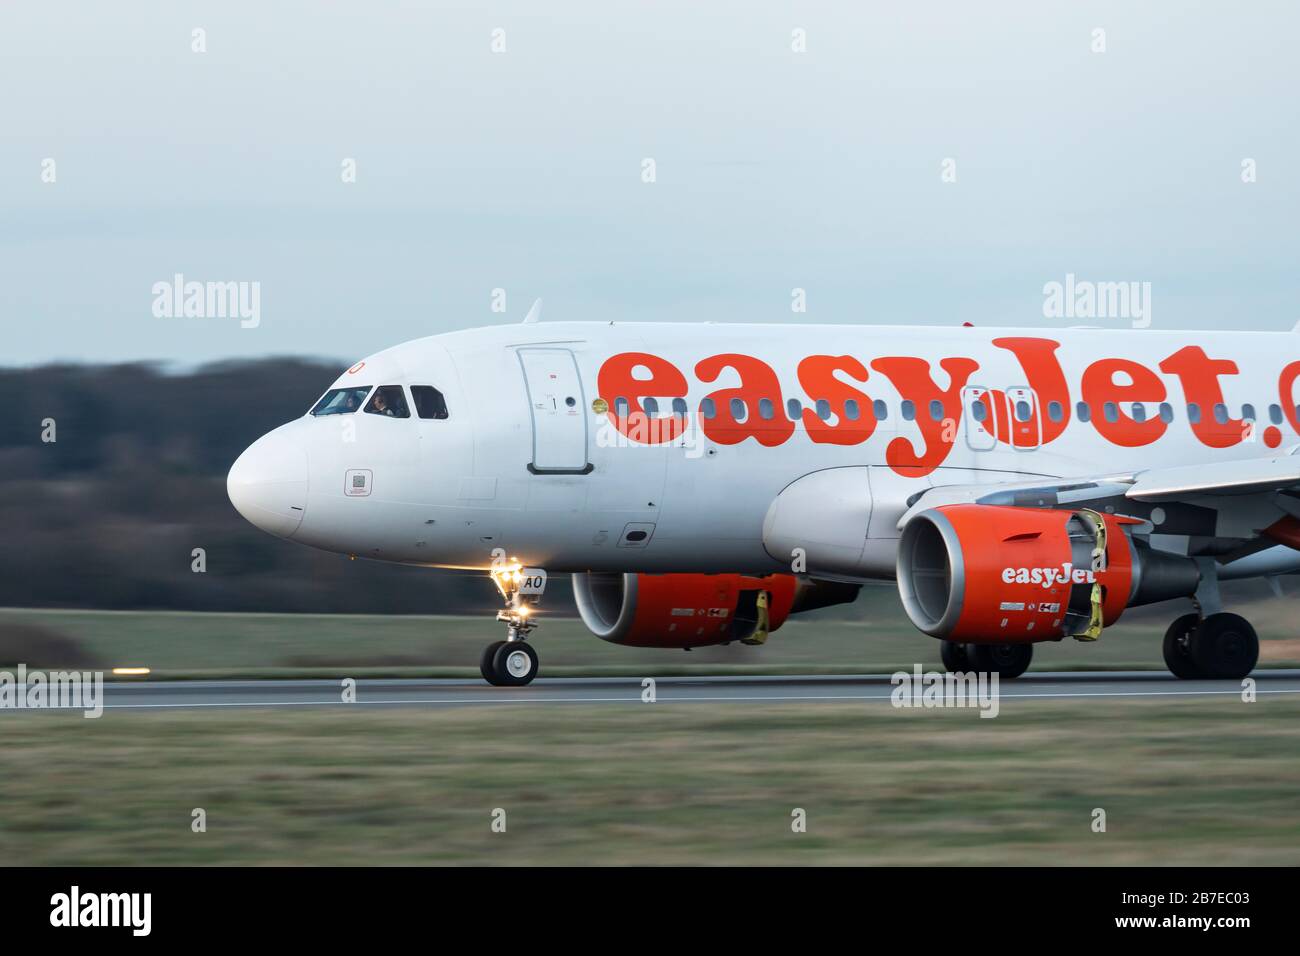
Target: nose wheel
[
  {"x": 508, "y": 663},
  {"x": 513, "y": 662}
]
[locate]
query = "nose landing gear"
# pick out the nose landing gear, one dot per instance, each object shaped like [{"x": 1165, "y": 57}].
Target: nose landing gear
[{"x": 513, "y": 662}]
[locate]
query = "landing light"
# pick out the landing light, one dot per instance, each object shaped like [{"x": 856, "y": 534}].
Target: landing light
[
  {"x": 131, "y": 671},
  {"x": 507, "y": 577}
]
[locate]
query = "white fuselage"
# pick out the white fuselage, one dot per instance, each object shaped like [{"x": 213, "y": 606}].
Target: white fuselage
[{"x": 525, "y": 464}]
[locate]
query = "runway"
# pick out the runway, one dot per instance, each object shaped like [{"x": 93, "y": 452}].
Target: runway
[{"x": 866, "y": 688}]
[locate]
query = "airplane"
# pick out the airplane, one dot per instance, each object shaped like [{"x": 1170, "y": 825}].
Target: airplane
[{"x": 703, "y": 482}]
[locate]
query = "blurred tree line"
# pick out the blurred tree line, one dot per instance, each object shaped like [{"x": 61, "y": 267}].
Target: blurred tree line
[{"x": 107, "y": 515}]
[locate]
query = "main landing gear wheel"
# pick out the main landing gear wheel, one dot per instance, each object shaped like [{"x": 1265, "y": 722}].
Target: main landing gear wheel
[
  {"x": 1178, "y": 647},
  {"x": 1005, "y": 660},
  {"x": 1225, "y": 647},
  {"x": 954, "y": 657}
]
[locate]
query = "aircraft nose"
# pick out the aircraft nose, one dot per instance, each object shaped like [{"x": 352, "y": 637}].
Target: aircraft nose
[{"x": 267, "y": 484}]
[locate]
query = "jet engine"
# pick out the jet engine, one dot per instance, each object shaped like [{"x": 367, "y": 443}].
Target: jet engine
[
  {"x": 993, "y": 574},
  {"x": 685, "y": 610}
]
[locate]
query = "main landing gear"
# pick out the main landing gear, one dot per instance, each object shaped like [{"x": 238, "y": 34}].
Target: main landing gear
[
  {"x": 513, "y": 662},
  {"x": 1213, "y": 646},
  {"x": 1216, "y": 647},
  {"x": 1005, "y": 660}
]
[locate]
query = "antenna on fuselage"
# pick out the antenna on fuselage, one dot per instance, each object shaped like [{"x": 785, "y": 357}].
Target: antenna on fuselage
[{"x": 534, "y": 314}]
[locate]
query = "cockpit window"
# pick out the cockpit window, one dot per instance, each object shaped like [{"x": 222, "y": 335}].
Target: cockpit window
[
  {"x": 388, "y": 400},
  {"x": 429, "y": 402},
  {"x": 341, "y": 401}
]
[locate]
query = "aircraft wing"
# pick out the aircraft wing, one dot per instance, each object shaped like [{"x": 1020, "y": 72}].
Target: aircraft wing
[{"x": 1249, "y": 476}]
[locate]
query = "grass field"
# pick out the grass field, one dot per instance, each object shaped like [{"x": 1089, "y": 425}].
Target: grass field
[
  {"x": 180, "y": 644},
  {"x": 1183, "y": 781},
  {"x": 1197, "y": 781}
]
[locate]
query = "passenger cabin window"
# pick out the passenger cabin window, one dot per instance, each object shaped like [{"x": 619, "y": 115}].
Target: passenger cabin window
[
  {"x": 1083, "y": 412},
  {"x": 880, "y": 409},
  {"x": 793, "y": 409},
  {"x": 429, "y": 402},
  {"x": 388, "y": 401},
  {"x": 341, "y": 401},
  {"x": 1055, "y": 412}
]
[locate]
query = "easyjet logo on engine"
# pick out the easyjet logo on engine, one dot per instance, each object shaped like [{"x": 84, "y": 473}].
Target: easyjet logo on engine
[
  {"x": 755, "y": 408},
  {"x": 1047, "y": 577}
]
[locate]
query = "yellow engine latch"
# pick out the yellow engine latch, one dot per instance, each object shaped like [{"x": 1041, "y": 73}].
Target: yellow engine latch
[
  {"x": 1095, "y": 619},
  {"x": 759, "y": 635}
]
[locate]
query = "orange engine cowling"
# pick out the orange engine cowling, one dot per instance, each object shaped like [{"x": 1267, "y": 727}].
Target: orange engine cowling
[
  {"x": 679, "y": 610},
  {"x": 994, "y": 574}
]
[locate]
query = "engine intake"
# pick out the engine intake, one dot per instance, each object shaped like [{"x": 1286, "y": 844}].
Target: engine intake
[{"x": 994, "y": 574}]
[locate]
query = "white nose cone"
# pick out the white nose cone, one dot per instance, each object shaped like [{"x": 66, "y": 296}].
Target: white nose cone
[{"x": 267, "y": 484}]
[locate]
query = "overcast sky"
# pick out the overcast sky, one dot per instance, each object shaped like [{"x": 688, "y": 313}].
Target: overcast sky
[{"x": 523, "y": 170}]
